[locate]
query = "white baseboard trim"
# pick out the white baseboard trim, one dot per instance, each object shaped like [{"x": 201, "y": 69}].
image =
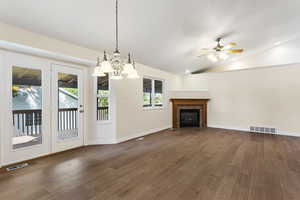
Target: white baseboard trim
[
  {"x": 283, "y": 133},
  {"x": 151, "y": 131},
  {"x": 103, "y": 141},
  {"x": 227, "y": 127},
  {"x": 100, "y": 141},
  {"x": 286, "y": 133}
]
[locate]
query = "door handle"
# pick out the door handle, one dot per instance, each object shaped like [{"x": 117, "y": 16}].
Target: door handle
[{"x": 81, "y": 111}]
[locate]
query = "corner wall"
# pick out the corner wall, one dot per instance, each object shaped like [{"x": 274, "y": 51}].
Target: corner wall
[
  {"x": 267, "y": 97},
  {"x": 132, "y": 119}
]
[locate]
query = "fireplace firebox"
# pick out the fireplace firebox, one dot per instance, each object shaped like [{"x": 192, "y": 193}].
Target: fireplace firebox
[
  {"x": 189, "y": 118},
  {"x": 189, "y": 113}
]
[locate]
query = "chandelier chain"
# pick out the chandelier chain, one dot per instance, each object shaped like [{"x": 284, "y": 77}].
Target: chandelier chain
[{"x": 117, "y": 26}]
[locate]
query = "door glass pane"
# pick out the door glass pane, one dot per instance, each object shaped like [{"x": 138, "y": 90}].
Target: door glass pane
[
  {"x": 26, "y": 107},
  {"x": 67, "y": 106},
  {"x": 103, "y": 98}
]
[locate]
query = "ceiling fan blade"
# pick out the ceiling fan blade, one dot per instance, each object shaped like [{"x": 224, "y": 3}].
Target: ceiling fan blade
[
  {"x": 211, "y": 51},
  {"x": 205, "y": 49},
  {"x": 230, "y": 45},
  {"x": 235, "y": 50},
  {"x": 206, "y": 53},
  {"x": 226, "y": 34},
  {"x": 201, "y": 70}
]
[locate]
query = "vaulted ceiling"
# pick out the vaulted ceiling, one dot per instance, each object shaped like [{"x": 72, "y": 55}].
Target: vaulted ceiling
[{"x": 165, "y": 34}]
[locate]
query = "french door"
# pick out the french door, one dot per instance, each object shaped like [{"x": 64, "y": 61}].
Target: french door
[
  {"x": 43, "y": 108},
  {"x": 26, "y": 106},
  {"x": 67, "y": 104}
]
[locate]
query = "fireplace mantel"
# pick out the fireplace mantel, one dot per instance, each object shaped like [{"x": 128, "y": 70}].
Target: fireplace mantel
[{"x": 177, "y": 103}]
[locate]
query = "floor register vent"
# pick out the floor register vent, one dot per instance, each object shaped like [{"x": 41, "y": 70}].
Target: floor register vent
[
  {"x": 254, "y": 129},
  {"x": 20, "y": 166}
]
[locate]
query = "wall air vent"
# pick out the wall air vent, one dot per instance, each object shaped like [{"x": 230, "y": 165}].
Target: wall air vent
[{"x": 267, "y": 130}]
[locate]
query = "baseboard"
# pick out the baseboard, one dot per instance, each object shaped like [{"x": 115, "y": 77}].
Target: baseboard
[
  {"x": 286, "y": 133},
  {"x": 228, "y": 127},
  {"x": 35, "y": 158},
  {"x": 151, "y": 131},
  {"x": 283, "y": 133},
  {"x": 99, "y": 141}
]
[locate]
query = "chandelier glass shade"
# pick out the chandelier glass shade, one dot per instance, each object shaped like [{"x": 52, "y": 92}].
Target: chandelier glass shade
[
  {"x": 133, "y": 73},
  {"x": 116, "y": 66},
  {"x": 98, "y": 70},
  {"x": 106, "y": 65},
  {"x": 128, "y": 67}
]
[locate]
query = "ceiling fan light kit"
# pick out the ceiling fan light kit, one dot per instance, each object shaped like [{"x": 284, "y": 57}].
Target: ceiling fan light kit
[
  {"x": 212, "y": 58},
  {"x": 218, "y": 56},
  {"x": 115, "y": 65},
  {"x": 220, "y": 52}
]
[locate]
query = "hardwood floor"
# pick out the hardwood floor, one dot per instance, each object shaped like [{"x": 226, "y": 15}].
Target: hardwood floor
[{"x": 208, "y": 164}]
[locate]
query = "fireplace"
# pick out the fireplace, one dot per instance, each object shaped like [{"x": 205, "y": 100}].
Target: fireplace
[
  {"x": 189, "y": 113},
  {"x": 189, "y": 118}
]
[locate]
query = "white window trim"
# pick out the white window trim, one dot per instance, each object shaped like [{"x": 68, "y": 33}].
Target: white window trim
[
  {"x": 153, "y": 107},
  {"x": 109, "y": 100}
]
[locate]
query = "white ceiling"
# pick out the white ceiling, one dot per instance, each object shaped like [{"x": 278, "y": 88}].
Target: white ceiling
[{"x": 162, "y": 33}]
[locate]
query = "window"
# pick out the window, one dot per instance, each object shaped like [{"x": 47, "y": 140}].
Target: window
[
  {"x": 152, "y": 92},
  {"x": 158, "y": 93},
  {"x": 103, "y": 98},
  {"x": 147, "y": 85}
]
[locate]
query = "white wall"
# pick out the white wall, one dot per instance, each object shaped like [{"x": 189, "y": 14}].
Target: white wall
[
  {"x": 2, "y": 89},
  {"x": 285, "y": 53},
  {"x": 132, "y": 119},
  {"x": 266, "y": 97},
  {"x": 20, "y": 36},
  {"x": 189, "y": 94},
  {"x": 128, "y": 118}
]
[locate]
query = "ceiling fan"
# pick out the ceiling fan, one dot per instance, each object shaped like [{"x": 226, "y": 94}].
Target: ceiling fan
[{"x": 220, "y": 52}]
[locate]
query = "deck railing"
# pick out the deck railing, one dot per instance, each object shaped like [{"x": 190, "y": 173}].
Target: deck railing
[
  {"x": 102, "y": 113},
  {"x": 29, "y": 122},
  {"x": 67, "y": 119}
]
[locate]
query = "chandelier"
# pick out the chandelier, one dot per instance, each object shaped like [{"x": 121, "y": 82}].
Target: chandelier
[{"x": 115, "y": 65}]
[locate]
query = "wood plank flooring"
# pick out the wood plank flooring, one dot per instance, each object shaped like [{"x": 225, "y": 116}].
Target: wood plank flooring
[{"x": 188, "y": 164}]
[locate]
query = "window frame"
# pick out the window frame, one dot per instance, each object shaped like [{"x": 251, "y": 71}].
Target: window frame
[
  {"x": 98, "y": 96},
  {"x": 153, "y": 106}
]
